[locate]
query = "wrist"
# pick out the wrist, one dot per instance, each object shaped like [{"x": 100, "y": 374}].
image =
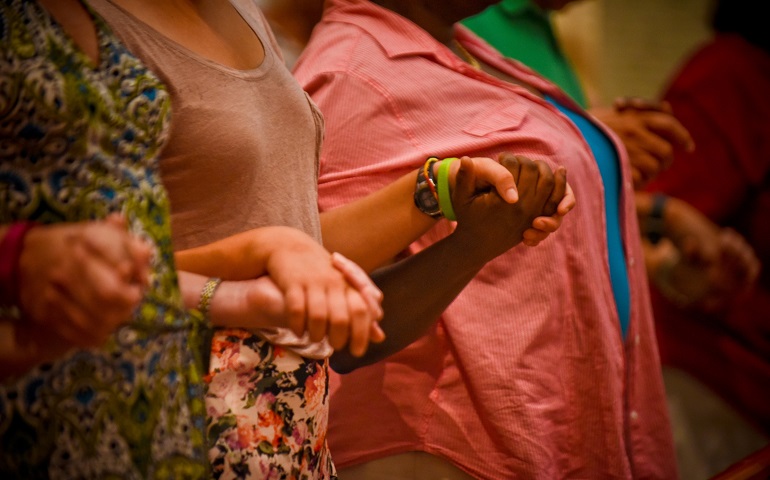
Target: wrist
[
  {"x": 655, "y": 222},
  {"x": 426, "y": 189},
  {"x": 207, "y": 296}
]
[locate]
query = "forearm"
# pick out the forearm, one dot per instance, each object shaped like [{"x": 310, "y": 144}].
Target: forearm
[
  {"x": 238, "y": 257},
  {"x": 373, "y": 230},
  {"x": 249, "y": 304},
  {"x": 416, "y": 292}
]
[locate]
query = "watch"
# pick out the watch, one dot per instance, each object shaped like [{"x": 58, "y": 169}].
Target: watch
[{"x": 424, "y": 198}]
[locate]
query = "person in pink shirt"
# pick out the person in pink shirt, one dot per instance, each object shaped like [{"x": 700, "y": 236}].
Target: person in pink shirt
[{"x": 546, "y": 365}]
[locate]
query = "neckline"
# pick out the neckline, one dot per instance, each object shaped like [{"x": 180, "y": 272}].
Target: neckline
[{"x": 257, "y": 71}]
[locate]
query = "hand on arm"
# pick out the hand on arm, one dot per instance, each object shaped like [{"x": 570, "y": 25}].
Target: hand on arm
[
  {"x": 649, "y": 132},
  {"x": 419, "y": 288},
  {"x": 317, "y": 296}
]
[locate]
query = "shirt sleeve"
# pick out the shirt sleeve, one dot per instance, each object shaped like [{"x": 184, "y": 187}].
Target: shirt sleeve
[{"x": 366, "y": 144}]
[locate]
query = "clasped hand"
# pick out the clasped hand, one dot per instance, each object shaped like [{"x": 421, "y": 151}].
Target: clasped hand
[
  {"x": 542, "y": 200},
  {"x": 78, "y": 282}
]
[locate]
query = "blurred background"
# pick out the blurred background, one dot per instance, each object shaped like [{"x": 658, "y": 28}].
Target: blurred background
[{"x": 630, "y": 47}]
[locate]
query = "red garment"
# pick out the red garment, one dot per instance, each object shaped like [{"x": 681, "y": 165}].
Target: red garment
[
  {"x": 526, "y": 375},
  {"x": 722, "y": 95}
]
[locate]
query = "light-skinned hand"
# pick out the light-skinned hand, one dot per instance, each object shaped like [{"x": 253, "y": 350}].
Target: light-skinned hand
[
  {"x": 319, "y": 297},
  {"x": 81, "y": 281}
]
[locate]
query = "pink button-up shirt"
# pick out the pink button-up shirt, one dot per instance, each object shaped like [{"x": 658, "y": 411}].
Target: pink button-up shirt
[{"x": 526, "y": 374}]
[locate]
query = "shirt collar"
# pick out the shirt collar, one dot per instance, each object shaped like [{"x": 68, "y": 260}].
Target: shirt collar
[{"x": 371, "y": 18}]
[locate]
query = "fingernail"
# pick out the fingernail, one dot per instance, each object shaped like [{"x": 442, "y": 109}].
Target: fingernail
[{"x": 511, "y": 195}]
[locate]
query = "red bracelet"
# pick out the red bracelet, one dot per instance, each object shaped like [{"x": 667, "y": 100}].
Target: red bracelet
[{"x": 10, "y": 252}]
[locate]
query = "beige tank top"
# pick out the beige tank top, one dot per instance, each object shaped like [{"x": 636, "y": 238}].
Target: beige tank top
[{"x": 244, "y": 144}]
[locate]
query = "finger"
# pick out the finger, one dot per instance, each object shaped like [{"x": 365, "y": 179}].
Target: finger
[
  {"x": 558, "y": 192},
  {"x": 317, "y": 313},
  {"x": 339, "y": 318},
  {"x": 141, "y": 253},
  {"x": 547, "y": 224},
  {"x": 646, "y": 141},
  {"x": 360, "y": 324},
  {"x": 739, "y": 255},
  {"x": 359, "y": 280},
  {"x": 465, "y": 185},
  {"x": 296, "y": 308},
  {"x": 672, "y": 130},
  {"x": 534, "y": 235},
  {"x": 511, "y": 163},
  {"x": 490, "y": 172},
  {"x": 73, "y": 323},
  {"x": 545, "y": 183},
  {"x": 645, "y": 167},
  {"x": 99, "y": 288},
  {"x": 110, "y": 243},
  {"x": 117, "y": 220},
  {"x": 568, "y": 202},
  {"x": 642, "y": 104},
  {"x": 528, "y": 177},
  {"x": 376, "y": 333}
]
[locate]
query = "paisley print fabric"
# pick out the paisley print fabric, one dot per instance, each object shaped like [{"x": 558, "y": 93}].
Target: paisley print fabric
[
  {"x": 79, "y": 141},
  {"x": 268, "y": 411}
]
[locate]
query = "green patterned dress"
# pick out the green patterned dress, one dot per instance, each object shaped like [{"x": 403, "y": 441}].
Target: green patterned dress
[{"x": 79, "y": 141}]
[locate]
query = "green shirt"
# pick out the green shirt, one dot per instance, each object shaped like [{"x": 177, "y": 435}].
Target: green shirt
[{"x": 521, "y": 30}]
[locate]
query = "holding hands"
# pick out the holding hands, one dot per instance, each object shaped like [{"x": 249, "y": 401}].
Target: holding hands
[
  {"x": 76, "y": 284},
  {"x": 699, "y": 264},
  {"x": 80, "y": 281},
  {"x": 281, "y": 277},
  {"x": 542, "y": 200},
  {"x": 650, "y": 133}
]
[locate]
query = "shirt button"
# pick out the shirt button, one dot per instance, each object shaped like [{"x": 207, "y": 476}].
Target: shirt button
[
  {"x": 631, "y": 261},
  {"x": 636, "y": 339},
  {"x": 634, "y": 416},
  {"x": 629, "y": 186}
]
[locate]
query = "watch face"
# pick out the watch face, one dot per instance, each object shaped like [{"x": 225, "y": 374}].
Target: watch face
[{"x": 428, "y": 201}]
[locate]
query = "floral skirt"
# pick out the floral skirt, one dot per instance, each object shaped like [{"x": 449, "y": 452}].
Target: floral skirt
[{"x": 267, "y": 411}]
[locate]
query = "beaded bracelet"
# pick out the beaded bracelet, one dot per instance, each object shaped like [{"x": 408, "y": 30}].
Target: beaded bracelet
[
  {"x": 430, "y": 176},
  {"x": 10, "y": 253},
  {"x": 444, "y": 196},
  {"x": 206, "y": 295}
]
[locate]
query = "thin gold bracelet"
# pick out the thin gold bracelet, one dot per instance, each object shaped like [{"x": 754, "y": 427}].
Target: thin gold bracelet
[{"x": 207, "y": 294}]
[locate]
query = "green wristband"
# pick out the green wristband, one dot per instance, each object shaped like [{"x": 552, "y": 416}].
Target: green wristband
[{"x": 444, "y": 196}]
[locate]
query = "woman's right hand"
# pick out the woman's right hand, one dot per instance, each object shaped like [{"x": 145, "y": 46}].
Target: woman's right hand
[{"x": 81, "y": 281}]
